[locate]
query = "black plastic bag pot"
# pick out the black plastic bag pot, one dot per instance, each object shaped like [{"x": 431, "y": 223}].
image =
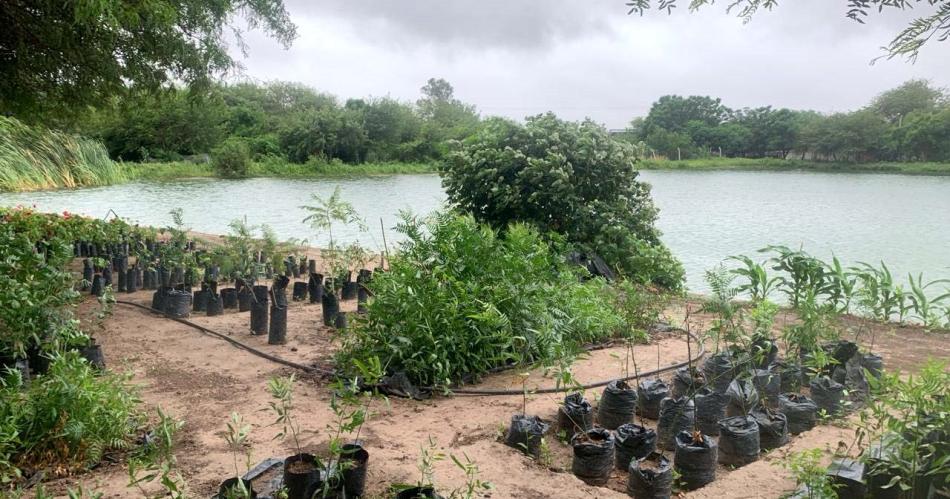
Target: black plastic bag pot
[
  {"x": 158, "y": 299},
  {"x": 230, "y": 488},
  {"x": 87, "y": 272},
  {"x": 764, "y": 352},
  {"x": 315, "y": 287},
  {"x": 800, "y": 412},
  {"x": 738, "y": 441},
  {"x": 121, "y": 265},
  {"x": 575, "y": 415},
  {"x": 37, "y": 361},
  {"x": 773, "y": 428},
  {"x": 331, "y": 307},
  {"x": 710, "y": 408},
  {"x": 301, "y": 474},
  {"x": 97, "y": 287},
  {"x": 107, "y": 276},
  {"x": 687, "y": 381},
  {"x": 617, "y": 405},
  {"x": 215, "y": 304},
  {"x": 312, "y": 266},
  {"x": 229, "y": 298},
  {"x": 259, "y": 310},
  {"x": 362, "y": 296},
  {"x": 857, "y": 384},
  {"x": 695, "y": 461},
  {"x": 130, "y": 284},
  {"x": 139, "y": 282},
  {"x": 278, "y": 325},
  {"x": 424, "y": 492},
  {"x": 245, "y": 298},
  {"x": 525, "y": 434},
  {"x": 847, "y": 476},
  {"x": 719, "y": 369},
  {"x": 164, "y": 277},
  {"x": 340, "y": 321},
  {"x": 302, "y": 267},
  {"x": 633, "y": 442},
  {"x": 790, "y": 374},
  {"x": 676, "y": 415},
  {"x": 93, "y": 355},
  {"x": 650, "y": 478},
  {"x": 350, "y": 290},
  {"x": 593, "y": 456},
  {"x": 278, "y": 291},
  {"x": 177, "y": 303},
  {"x": 873, "y": 363},
  {"x": 743, "y": 397},
  {"x": 840, "y": 351},
  {"x": 827, "y": 394},
  {"x": 199, "y": 302},
  {"x": 769, "y": 385},
  {"x": 355, "y": 460},
  {"x": 649, "y": 395},
  {"x": 300, "y": 291}
]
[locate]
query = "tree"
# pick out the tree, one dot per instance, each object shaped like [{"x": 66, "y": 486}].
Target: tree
[
  {"x": 59, "y": 56},
  {"x": 569, "y": 178},
  {"x": 445, "y": 116},
  {"x": 907, "y": 43},
  {"x": 673, "y": 112},
  {"x": 913, "y": 95}
]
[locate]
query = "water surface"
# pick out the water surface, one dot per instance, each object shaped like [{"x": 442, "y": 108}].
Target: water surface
[{"x": 704, "y": 216}]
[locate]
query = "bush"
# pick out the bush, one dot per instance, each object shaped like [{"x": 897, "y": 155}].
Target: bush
[
  {"x": 460, "y": 299},
  {"x": 232, "y": 159},
  {"x": 65, "y": 419},
  {"x": 568, "y": 178}
]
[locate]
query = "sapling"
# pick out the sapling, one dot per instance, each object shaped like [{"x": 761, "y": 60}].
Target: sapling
[
  {"x": 236, "y": 438},
  {"x": 282, "y": 389},
  {"x": 155, "y": 459}
]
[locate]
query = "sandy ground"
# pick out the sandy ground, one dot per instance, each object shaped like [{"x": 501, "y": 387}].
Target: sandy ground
[{"x": 201, "y": 380}]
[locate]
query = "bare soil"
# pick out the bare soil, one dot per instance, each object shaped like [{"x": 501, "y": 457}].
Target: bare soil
[{"x": 202, "y": 379}]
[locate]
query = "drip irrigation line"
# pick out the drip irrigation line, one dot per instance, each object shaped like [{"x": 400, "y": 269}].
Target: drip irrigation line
[
  {"x": 238, "y": 344},
  {"x": 454, "y": 391},
  {"x": 596, "y": 384}
]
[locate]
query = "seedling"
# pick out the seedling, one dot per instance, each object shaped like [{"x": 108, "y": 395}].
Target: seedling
[{"x": 282, "y": 389}]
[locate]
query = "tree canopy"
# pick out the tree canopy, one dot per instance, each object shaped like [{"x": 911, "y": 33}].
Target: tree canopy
[
  {"x": 934, "y": 25},
  {"x": 57, "y": 56}
]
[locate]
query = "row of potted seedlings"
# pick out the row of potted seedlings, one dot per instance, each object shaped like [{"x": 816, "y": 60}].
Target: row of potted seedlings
[{"x": 725, "y": 413}]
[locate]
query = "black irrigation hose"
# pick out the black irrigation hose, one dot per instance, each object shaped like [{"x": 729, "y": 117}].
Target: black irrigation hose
[
  {"x": 460, "y": 391},
  {"x": 596, "y": 384},
  {"x": 264, "y": 355}
]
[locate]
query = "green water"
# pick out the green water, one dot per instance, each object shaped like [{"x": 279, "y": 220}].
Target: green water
[{"x": 705, "y": 216}]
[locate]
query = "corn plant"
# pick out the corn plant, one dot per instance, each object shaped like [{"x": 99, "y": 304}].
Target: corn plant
[
  {"x": 802, "y": 273},
  {"x": 840, "y": 285},
  {"x": 925, "y": 308},
  {"x": 757, "y": 283},
  {"x": 878, "y": 294}
]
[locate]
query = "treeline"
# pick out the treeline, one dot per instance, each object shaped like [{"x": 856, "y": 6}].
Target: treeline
[
  {"x": 908, "y": 123},
  {"x": 286, "y": 121}
]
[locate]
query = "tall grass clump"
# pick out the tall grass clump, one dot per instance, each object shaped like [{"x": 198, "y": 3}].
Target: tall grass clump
[
  {"x": 35, "y": 158},
  {"x": 461, "y": 298}
]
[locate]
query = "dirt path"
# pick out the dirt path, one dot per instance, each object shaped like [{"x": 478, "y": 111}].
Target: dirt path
[{"x": 201, "y": 380}]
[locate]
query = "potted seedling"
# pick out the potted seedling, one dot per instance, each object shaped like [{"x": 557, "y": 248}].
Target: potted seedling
[
  {"x": 236, "y": 437},
  {"x": 301, "y": 470},
  {"x": 424, "y": 488},
  {"x": 526, "y": 432},
  {"x": 351, "y": 406}
]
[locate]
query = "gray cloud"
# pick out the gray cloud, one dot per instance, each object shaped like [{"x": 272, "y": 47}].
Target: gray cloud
[{"x": 581, "y": 59}]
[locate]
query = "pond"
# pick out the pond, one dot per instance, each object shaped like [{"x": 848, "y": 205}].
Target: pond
[{"x": 705, "y": 216}]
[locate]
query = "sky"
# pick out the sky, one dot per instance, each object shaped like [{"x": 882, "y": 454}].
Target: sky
[{"x": 588, "y": 58}]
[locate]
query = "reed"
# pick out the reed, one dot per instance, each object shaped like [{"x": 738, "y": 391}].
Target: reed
[{"x": 33, "y": 158}]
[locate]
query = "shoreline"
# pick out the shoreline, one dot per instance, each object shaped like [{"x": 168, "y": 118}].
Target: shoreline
[{"x": 782, "y": 165}]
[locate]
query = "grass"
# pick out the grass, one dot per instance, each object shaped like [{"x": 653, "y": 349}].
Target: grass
[
  {"x": 706, "y": 164},
  {"x": 34, "y": 159},
  {"x": 273, "y": 168}
]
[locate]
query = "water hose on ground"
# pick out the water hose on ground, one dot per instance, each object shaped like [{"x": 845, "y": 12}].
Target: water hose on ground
[{"x": 455, "y": 391}]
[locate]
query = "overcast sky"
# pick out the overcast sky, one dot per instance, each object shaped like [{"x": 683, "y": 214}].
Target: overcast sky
[{"x": 588, "y": 58}]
